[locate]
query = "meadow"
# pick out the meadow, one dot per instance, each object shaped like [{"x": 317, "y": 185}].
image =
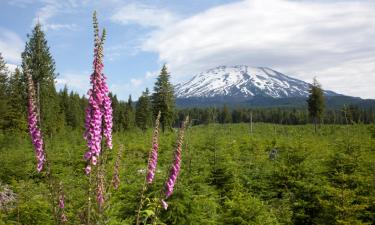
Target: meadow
[{"x": 278, "y": 174}]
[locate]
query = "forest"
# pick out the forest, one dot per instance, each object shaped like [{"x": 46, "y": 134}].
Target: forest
[{"x": 96, "y": 159}]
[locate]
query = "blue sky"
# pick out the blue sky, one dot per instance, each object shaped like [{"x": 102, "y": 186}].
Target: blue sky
[{"x": 331, "y": 39}]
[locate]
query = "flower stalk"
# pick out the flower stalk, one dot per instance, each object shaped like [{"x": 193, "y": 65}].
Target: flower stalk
[
  {"x": 34, "y": 129},
  {"x": 116, "y": 170},
  {"x": 98, "y": 122},
  {"x": 152, "y": 163},
  {"x": 176, "y": 166},
  {"x": 153, "y": 158}
]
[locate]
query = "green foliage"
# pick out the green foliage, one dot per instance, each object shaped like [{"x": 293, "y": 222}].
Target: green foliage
[
  {"x": 163, "y": 99},
  {"x": 143, "y": 113},
  {"x": 38, "y": 60},
  {"x": 228, "y": 176},
  {"x": 3, "y": 91},
  {"x": 315, "y": 102},
  {"x": 129, "y": 114}
]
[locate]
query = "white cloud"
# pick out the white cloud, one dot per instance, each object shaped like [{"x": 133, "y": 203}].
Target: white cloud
[
  {"x": 77, "y": 81},
  {"x": 12, "y": 67},
  {"x": 11, "y": 46},
  {"x": 51, "y": 9},
  {"x": 151, "y": 74},
  {"x": 136, "y": 82},
  {"x": 333, "y": 40},
  {"x": 143, "y": 15}
]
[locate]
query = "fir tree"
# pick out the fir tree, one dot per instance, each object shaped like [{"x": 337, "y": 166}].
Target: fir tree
[
  {"x": 129, "y": 114},
  {"x": 3, "y": 90},
  {"x": 38, "y": 60},
  {"x": 163, "y": 99},
  {"x": 315, "y": 102},
  {"x": 143, "y": 114},
  {"x": 16, "y": 114}
]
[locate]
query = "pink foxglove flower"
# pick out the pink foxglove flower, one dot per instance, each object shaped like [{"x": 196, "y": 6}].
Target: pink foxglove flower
[
  {"x": 175, "y": 169},
  {"x": 153, "y": 159},
  {"x": 98, "y": 122},
  {"x": 34, "y": 130}
]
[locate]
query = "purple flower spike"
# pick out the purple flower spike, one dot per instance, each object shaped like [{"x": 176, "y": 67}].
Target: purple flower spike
[
  {"x": 153, "y": 159},
  {"x": 34, "y": 130},
  {"x": 98, "y": 121},
  {"x": 175, "y": 169}
]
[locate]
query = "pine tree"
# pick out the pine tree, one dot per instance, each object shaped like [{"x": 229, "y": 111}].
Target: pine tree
[
  {"x": 16, "y": 114},
  {"x": 143, "y": 114},
  {"x": 315, "y": 102},
  {"x": 3, "y": 90},
  {"x": 163, "y": 99},
  {"x": 38, "y": 60},
  {"x": 129, "y": 114}
]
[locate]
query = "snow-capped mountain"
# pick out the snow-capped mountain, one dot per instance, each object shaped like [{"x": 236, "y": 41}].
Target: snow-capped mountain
[{"x": 243, "y": 82}]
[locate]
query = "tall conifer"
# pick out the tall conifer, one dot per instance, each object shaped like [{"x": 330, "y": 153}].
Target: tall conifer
[
  {"x": 38, "y": 59},
  {"x": 315, "y": 102},
  {"x": 163, "y": 99},
  {"x": 143, "y": 114}
]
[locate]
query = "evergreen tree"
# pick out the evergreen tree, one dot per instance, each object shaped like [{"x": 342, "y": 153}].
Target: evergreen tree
[
  {"x": 3, "y": 90},
  {"x": 143, "y": 114},
  {"x": 129, "y": 114},
  {"x": 315, "y": 102},
  {"x": 38, "y": 60},
  {"x": 16, "y": 114},
  {"x": 226, "y": 116},
  {"x": 163, "y": 99}
]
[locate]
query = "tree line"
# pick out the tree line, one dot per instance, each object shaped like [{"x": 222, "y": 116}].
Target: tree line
[{"x": 64, "y": 109}]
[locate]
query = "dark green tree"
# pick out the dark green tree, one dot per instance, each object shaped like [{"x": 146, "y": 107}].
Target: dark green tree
[
  {"x": 225, "y": 116},
  {"x": 143, "y": 114},
  {"x": 3, "y": 90},
  {"x": 315, "y": 102},
  {"x": 129, "y": 114},
  {"x": 163, "y": 99},
  {"x": 38, "y": 60},
  {"x": 16, "y": 114}
]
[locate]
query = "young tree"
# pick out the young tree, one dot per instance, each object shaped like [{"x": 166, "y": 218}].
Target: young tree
[
  {"x": 39, "y": 62},
  {"x": 143, "y": 114},
  {"x": 163, "y": 99},
  {"x": 315, "y": 102}
]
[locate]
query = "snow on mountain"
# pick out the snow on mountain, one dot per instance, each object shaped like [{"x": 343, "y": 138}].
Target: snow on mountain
[{"x": 242, "y": 82}]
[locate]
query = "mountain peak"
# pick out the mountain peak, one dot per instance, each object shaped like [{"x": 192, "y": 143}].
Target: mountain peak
[{"x": 244, "y": 82}]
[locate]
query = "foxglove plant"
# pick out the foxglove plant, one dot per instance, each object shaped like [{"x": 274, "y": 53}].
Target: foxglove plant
[
  {"x": 175, "y": 169},
  {"x": 152, "y": 162},
  {"x": 116, "y": 171},
  {"x": 100, "y": 189},
  {"x": 63, "y": 218},
  {"x": 98, "y": 122},
  {"x": 153, "y": 159},
  {"x": 34, "y": 130}
]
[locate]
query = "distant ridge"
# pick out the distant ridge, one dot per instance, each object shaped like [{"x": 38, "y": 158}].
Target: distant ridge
[
  {"x": 243, "y": 82},
  {"x": 245, "y": 86}
]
